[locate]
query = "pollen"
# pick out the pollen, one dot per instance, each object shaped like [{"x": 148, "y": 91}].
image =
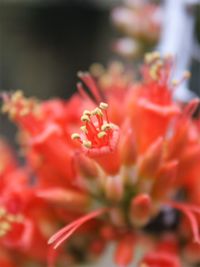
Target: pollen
[
  {"x": 87, "y": 112},
  {"x": 97, "y": 111},
  {"x": 84, "y": 129},
  {"x": 157, "y": 68},
  {"x": 17, "y": 105},
  {"x": 103, "y": 105},
  {"x": 106, "y": 126},
  {"x": 75, "y": 136},
  {"x": 87, "y": 144},
  {"x": 101, "y": 134},
  {"x": 7, "y": 220},
  {"x": 85, "y": 118},
  {"x": 96, "y": 131}
]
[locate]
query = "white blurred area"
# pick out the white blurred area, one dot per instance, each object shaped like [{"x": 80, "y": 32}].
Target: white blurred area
[{"x": 177, "y": 39}]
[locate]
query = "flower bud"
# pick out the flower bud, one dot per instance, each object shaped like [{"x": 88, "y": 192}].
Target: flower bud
[
  {"x": 65, "y": 197},
  {"x": 165, "y": 180},
  {"x": 140, "y": 210},
  {"x": 124, "y": 251},
  {"x": 127, "y": 147},
  {"x": 150, "y": 161}
]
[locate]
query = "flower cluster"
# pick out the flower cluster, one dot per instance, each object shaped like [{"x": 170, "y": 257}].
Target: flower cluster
[
  {"x": 117, "y": 165},
  {"x": 139, "y": 33}
]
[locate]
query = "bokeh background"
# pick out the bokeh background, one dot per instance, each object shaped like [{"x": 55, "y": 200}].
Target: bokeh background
[{"x": 43, "y": 43}]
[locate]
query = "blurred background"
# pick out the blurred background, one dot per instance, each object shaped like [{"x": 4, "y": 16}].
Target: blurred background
[{"x": 43, "y": 43}]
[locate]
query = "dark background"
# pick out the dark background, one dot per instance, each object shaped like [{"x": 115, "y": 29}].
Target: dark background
[{"x": 44, "y": 44}]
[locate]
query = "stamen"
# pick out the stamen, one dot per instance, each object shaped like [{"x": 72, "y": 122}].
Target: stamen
[
  {"x": 99, "y": 139},
  {"x": 87, "y": 144},
  {"x": 157, "y": 69},
  {"x": 24, "y": 111},
  {"x": 87, "y": 112},
  {"x": 103, "y": 105},
  {"x": 106, "y": 126},
  {"x": 85, "y": 118},
  {"x": 97, "y": 111},
  {"x": 75, "y": 136},
  {"x": 7, "y": 220},
  {"x": 101, "y": 134},
  {"x": 17, "y": 105},
  {"x": 176, "y": 83},
  {"x": 84, "y": 129},
  {"x": 97, "y": 131}
]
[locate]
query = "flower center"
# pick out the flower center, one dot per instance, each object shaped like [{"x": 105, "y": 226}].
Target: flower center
[
  {"x": 97, "y": 131},
  {"x": 7, "y": 220}
]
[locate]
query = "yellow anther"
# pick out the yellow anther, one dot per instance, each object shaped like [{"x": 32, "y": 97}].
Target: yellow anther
[
  {"x": 101, "y": 134},
  {"x": 148, "y": 58},
  {"x": 103, "y": 105},
  {"x": 2, "y": 211},
  {"x": 5, "y": 226},
  {"x": 75, "y": 136},
  {"x": 17, "y": 95},
  {"x": 87, "y": 144},
  {"x": 106, "y": 126},
  {"x": 85, "y": 118},
  {"x": 87, "y": 112},
  {"x": 97, "y": 111},
  {"x": 84, "y": 129},
  {"x": 94, "y": 112}
]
